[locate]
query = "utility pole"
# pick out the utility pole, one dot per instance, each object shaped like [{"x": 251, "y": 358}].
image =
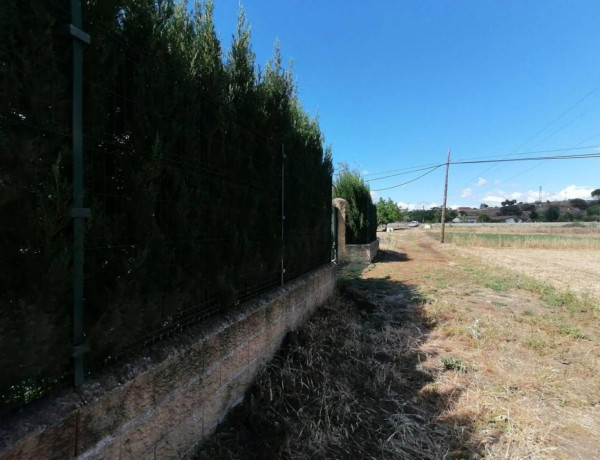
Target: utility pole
[{"x": 445, "y": 199}]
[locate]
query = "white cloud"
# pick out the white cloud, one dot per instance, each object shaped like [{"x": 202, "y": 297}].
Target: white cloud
[
  {"x": 481, "y": 182},
  {"x": 374, "y": 196},
  {"x": 403, "y": 205},
  {"x": 496, "y": 197},
  {"x": 531, "y": 196},
  {"x": 492, "y": 200},
  {"x": 570, "y": 192},
  {"x": 466, "y": 193},
  {"x": 419, "y": 205}
]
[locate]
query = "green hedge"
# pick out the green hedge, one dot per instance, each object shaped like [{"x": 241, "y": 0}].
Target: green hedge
[
  {"x": 361, "y": 213},
  {"x": 182, "y": 171}
]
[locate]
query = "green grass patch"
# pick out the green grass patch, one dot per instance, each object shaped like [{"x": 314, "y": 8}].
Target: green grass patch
[
  {"x": 570, "y": 331},
  {"x": 454, "y": 364},
  {"x": 536, "y": 344}
]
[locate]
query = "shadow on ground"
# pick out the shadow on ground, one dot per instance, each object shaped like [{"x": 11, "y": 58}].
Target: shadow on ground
[
  {"x": 386, "y": 256},
  {"x": 350, "y": 384}
]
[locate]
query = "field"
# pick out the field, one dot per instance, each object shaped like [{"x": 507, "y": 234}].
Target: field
[
  {"x": 567, "y": 257},
  {"x": 431, "y": 352},
  {"x": 524, "y": 241}
]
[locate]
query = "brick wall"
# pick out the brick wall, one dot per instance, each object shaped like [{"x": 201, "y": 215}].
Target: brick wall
[{"x": 161, "y": 405}]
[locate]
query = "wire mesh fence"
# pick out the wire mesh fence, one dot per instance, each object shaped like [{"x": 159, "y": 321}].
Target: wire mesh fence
[{"x": 195, "y": 204}]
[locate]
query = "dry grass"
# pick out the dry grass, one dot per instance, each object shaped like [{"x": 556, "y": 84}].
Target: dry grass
[
  {"x": 530, "y": 349},
  {"x": 525, "y": 229},
  {"x": 431, "y": 354},
  {"x": 560, "y": 241},
  {"x": 338, "y": 389}
]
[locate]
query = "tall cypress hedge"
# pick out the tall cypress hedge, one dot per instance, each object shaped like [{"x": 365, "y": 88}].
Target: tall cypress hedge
[
  {"x": 361, "y": 213},
  {"x": 183, "y": 155}
]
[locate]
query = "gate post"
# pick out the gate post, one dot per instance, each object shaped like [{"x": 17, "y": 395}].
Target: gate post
[{"x": 340, "y": 204}]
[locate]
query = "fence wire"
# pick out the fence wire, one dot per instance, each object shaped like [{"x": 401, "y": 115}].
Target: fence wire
[{"x": 184, "y": 174}]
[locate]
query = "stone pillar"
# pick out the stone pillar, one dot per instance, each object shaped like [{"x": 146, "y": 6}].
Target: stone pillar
[{"x": 340, "y": 203}]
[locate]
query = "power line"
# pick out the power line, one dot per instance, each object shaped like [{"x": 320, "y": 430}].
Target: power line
[
  {"x": 408, "y": 182},
  {"x": 566, "y": 149},
  {"x": 424, "y": 167},
  {"x": 544, "y": 129},
  {"x": 540, "y": 163},
  {"x": 558, "y": 118},
  {"x": 567, "y": 125},
  {"x": 505, "y": 160},
  {"x": 401, "y": 169},
  {"x": 402, "y": 174}
]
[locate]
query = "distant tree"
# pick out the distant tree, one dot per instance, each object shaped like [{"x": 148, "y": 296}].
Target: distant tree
[
  {"x": 360, "y": 210},
  {"x": 483, "y": 206},
  {"x": 596, "y": 193},
  {"x": 450, "y": 214},
  {"x": 567, "y": 217},
  {"x": 579, "y": 203},
  {"x": 387, "y": 211},
  {"x": 462, "y": 213},
  {"x": 483, "y": 218},
  {"x": 421, "y": 215},
  {"x": 593, "y": 211},
  {"x": 508, "y": 202},
  {"x": 437, "y": 214},
  {"x": 528, "y": 207},
  {"x": 533, "y": 215},
  {"x": 510, "y": 210},
  {"x": 382, "y": 217},
  {"x": 551, "y": 214}
]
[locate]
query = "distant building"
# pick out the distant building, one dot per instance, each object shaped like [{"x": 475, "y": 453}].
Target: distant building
[{"x": 513, "y": 220}]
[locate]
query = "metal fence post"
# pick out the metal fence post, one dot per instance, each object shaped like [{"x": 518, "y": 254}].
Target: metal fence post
[
  {"x": 79, "y": 213},
  {"x": 334, "y": 234},
  {"x": 282, "y": 210}
]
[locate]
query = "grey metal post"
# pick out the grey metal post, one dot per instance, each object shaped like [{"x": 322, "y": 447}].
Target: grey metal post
[
  {"x": 79, "y": 213},
  {"x": 282, "y": 210}
]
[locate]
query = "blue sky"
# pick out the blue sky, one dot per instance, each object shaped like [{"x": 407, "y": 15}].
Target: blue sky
[{"x": 397, "y": 83}]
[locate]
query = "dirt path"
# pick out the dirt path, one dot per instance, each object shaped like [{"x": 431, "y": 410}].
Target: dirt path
[
  {"x": 429, "y": 354},
  {"x": 530, "y": 358}
]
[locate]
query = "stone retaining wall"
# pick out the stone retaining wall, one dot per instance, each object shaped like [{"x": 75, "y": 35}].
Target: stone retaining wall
[
  {"x": 161, "y": 405},
  {"x": 361, "y": 252}
]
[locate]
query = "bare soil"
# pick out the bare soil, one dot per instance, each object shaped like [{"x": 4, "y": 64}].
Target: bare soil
[{"x": 429, "y": 352}]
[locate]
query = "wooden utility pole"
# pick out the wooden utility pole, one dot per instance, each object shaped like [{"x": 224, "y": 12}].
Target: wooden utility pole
[{"x": 445, "y": 198}]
